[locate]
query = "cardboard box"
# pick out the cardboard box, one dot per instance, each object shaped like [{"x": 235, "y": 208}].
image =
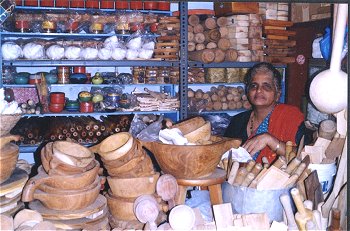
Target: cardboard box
[{"x": 230, "y": 8}]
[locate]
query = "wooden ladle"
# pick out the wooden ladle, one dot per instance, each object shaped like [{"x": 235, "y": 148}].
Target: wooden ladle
[
  {"x": 166, "y": 188},
  {"x": 328, "y": 90}
]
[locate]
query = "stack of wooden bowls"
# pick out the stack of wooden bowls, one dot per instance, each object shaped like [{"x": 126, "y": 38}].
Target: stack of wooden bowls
[
  {"x": 12, "y": 179},
  {"x": 66, "y": 190},
  {"x": 131, "y": 173}
]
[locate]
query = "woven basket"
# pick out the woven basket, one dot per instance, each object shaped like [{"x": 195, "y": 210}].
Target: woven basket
[{"x": 7, "y": 122}]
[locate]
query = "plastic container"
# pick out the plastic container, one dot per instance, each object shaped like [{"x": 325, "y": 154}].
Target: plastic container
[
  {"x": 326, "y": 173},
  {"x": 47, "y": 3},
  {"x": 246, "y": 200},
  {"x": 121, "y": 5},
  {"x": 92, "y": 4},
  {"x": 136, "y": 5},
  {"x": 62, "y": 3},
  {"x": 77, "y": 3},
  {"x": 107, "y": 4}
]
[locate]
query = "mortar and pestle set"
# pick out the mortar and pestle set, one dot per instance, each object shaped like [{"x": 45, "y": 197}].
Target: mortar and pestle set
[{"x": 67, "y": 185}]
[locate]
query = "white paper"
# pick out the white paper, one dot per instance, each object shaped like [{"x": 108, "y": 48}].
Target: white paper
[{"x": 238, "y": 154}]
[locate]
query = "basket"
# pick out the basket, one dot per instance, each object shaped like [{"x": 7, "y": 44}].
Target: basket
[{"x": 7, "y": 122}]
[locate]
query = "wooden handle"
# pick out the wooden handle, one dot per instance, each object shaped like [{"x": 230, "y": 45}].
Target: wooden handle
[
  {"x": 292, "y": 165},
  {"x": 248, "y": 179},
  {"x": 242, "y": 172},
  {"x": 291, "y": 181},
  {"x": 256, "y": 169},
  {"x": 308, "y": 204},
  {"x": 253, "y": 184},
  {"x": 289, "y": 148},
  {"x": 292, "y": 155},
  {"x": 279, "y": 162},
  {"x": 335, "y": 220},
  {"x": 317, "y": 219},
  {"x": 250, "y": 165},
  {"x": 285, "y": 201},
  {"x": 303, "y": 214},
  {"x": 7, "y": 139},
  {"x": 30, "y": 187},
  {"x": 297, "y": 201},
  {"x": 233, "y": 172},
  {"x": 299, "y": 170}
]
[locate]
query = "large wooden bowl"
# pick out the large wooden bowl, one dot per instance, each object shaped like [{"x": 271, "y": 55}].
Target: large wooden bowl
[
  {"x": 8, "y": 159},
  {"x": 121, "y": 208},
  {"x": 191, "y": 161},
  {"x": 120, "y": 187},
  {"x": 70, "y": 201},
  {"x": 115, "y": 146}
]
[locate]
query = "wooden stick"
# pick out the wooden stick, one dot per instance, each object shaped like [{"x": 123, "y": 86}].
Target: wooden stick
[
  {"x": 292, "y": 165},
  {"x": 233, "y": 172},
  {"x": 286, "y": 203},
  {"x": 303, "y": 214},
  {"x": 242, "y": 172}
]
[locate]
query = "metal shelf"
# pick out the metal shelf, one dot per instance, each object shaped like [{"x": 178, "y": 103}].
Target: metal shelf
[
  {"x": 214, "y": 84},
  {"x": 90, "y": 63},
  {"x": 64, "y": 35},
  {"x": 226, "y": 64},
  {"x": 67, "y": 113},
  {"x": 216, "y": 112},
  {"x": 89, "y": 85}
]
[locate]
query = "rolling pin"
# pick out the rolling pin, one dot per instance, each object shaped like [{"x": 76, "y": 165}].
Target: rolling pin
[
  {"x": 291, "y": 181},
  {"x": 233, "y": 172},
  {"x": 292, "y": 165},
  {"x": 317, "y": 219},
  {"x": 250, "y": 165},
  {"x": 279, "y": 162},
  {"x": 299, "y": 170},
  {"x": 285, "y": 201},
  {"x": 308, "y": 204},
  {"x": 256, "y": 169},
  {"x": 241, "y": 174},
  {"x": 253, "y": 184},
  {"x": 248, "y": 179},
  {"x": 265, "y": 162},
  {"x": 289, "y": 148},
  {"x": 303, "y": 214},
  {"x": 292, "y": 155}
]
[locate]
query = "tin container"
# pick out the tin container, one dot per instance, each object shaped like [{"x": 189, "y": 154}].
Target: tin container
[
  {"x": 77, "y": 3},
  {"x": 121, "y": 5},
  {"x": 92, "y": 4},
  {"x": 63, "y": 74},
  {"x": 107, "y": 4},
  {"x": 86, "y": 107}
]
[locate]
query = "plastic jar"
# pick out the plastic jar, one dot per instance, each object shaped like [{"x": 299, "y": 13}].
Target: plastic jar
[
  {"x": 136, "y": 5},
  {"x": 77, "y": 3},
  {"x": 47, "y": 3},
  {"x": 107, "y": 4},
  {"x": 121, "y": 5}
]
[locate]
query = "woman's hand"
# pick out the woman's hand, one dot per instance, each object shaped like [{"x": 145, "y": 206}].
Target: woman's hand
[{"x": 258, "y": 142}]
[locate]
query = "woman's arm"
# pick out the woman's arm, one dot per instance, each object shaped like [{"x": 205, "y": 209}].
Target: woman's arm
[{"x": 259, "y": 142}]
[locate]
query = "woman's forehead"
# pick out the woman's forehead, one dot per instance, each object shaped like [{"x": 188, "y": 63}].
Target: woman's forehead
[{"x": 263, "y": 77}]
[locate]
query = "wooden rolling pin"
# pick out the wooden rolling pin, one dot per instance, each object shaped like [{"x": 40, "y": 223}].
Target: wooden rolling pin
[
  {"x": 303, "y": 214},
  {"x": 279, "y": 162},
  {"x": 250, "y": 165},
  {"x": 242, "y": 172},
  {"x": 293, "y": 164},
  {"x": 248, "y": 179},
  {"x": 289, "y": 148},
  {"x": 285, "y": 201}
]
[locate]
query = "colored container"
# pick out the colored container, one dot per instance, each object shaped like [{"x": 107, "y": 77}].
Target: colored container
[
  {"x": 22, "y": 26},
  {"x": 18, "y": 2},
  {"x": 34, "y": 78},
  {"x": 121, "y": 5},
  {"x": 31, "y": 2},
  {"x": 79, "y": 69},
  {"x": 77, "y": 3},
  {"x": 57, "y": 98},
  {"x": 56, "y": 108},
  {"x": 164, "y": 6},
  {"x": 107, "y": 4},
  {"x": 47, "y": 3},
  {"x": 62, "y": 3},
  {"x": 63, "y": 75},
  {"x": 92, "y": 4},
  {"x": 150, "y": 5},
  {"x": 326, "y": 173},
  {"x": 86, "y": 107},
  {"x": 49, "y": 26},
  {"x": 136, "y": 5},
  {"x": 71, "y": 27}
]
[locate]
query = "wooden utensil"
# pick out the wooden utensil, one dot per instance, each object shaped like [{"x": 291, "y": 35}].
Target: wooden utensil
[
  {"x": 146, "y": 210},
  {"x": 293, "y": 164},
  {"x": 26, "y": 215},
  {"x": 182, "y": 217},
  {"x": 6, "y": 222},
  {"x": 303, "y": 214},
  {"x": 223, "y": 216},
  {"x": 233, "y": 172},
  {"x": 335, "y": 148},
  {"x": 229, "y": 164},
  {"x": 313, "y": 189},
  {"x": 285, "y": 201},
  {"x": 16, "y": 181},
  {"x": 167, "y": 188},
  {"x": 301, "y": 146},
  {"x": 335, "y": 220},
  {"x": 7, "y": 139}
]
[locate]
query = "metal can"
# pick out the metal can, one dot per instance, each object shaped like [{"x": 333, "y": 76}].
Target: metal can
[{"x": 63, "y": 75}]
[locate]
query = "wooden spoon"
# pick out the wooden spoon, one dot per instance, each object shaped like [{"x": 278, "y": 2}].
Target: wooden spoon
[
  {"x": 167, "y": 188},
  {"x": 146, "y": 210}
]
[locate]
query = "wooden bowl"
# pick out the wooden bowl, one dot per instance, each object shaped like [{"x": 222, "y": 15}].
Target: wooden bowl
[
  {"x": 72, "y": 153},
  {"x": 7, "y": 122},
  {"x": 201, "y": 133},
  {"x": 115, "y": 146},
  {"x": 64, "y": 202},
  {"x": 26, "y": 215},
  {"x": 121, "y": 208},
  {"x": 190, "y": 161},
  {"x": 8, "y": 159},
  {"x": 120, "y": 187},
  {"x": 190, "y": 125}
]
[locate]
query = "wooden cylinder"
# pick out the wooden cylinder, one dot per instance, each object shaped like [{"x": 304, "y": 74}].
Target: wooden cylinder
[
  {"x": 210, "y": 23},
  {"x": 256, "y": 169},
  {"x": 212, "y": 35},
  {"x": 231, "y": 55},
  {"x": 200, "y": 46},
  {"x": 205, "y": 56},
  {"x": 241, "y": 174},
  {"x": 292, "y": 165},
  {"x": 250, "y": 165},
  {"x": 193, "y": 20},
  {"x": 199, "y": 38},
  {"x": 248, "y": 179},
  {"x": 222, "y": 21},
  {"x": 219, "y": 55},
  {"x": 198, "y": 28},
  {"x": 224, "y": 44}
]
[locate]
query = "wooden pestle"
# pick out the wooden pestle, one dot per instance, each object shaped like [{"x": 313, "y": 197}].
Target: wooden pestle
[
  {"x": 248, "y": 179},
  {"x": 299, "y": 170},
  {"x": 289, "y": 148},
  {"x": 291, "y": 181},
  {"x": 256, "y": 169},
  {"x": 285, "y": 201},
  {"x": 317, "y": 219},
  {"x": 250, "y": 165},
  {"x": 308, "y": 204},
  {"x": 292, "y": 155},
  {"x": 335, "y": 220},
  {"x": 279, "y": 162},
  {"x": 303, "y": 214},
  {"x": 292, "y": 165},
  {"x": 233, "y": 172},
  {"x": 241, "y": 174}
]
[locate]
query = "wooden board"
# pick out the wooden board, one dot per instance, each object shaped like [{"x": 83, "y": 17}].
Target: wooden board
[
  {"x": 229, "y": 8},
  {"x": 256, "y": 221},
  {"x": 223, "y": 216},
  {"x": 279, "y": 32},
  {"x": 279, "y": 23},
  {"x": 99, "y": 205},
  {"x": 274, "y": 178},
  {"x": 16, "y": 181},
  {"x": 313, "y": 189},
  {"x": 279, "y": 43},
  {"x": 272, "y": 59},
  {"x": 335, "y": 148}
]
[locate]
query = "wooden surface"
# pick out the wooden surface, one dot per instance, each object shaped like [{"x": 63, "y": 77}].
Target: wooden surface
[
  {"x": 96, "y": 207},
  {"x": 223, "y": 216},
  {"x": 229, "y": 8},
  {"x": 313, "y": 189},
  {"x": 190, "y": 161},
  {"x": 16, "y": 181},
  {"x": 121, "y": 208}
]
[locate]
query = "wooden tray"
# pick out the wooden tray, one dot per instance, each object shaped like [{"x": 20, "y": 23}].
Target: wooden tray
[
  {"x": 99, "y": 205},
  {"x": 16, "y": 181}
]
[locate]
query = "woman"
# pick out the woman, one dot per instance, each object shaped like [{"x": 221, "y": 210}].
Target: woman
[{"x": 266, "y": 128}]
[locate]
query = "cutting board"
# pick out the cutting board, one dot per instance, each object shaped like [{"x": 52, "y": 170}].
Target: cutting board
[
  {"x": 98, "y": 207},
  {"x": 335, "y": 148},
  {"x": 313, "y": 189}
]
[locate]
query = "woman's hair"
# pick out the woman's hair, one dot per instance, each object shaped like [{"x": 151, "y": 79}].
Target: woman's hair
[{"x": 266, "y": 68}]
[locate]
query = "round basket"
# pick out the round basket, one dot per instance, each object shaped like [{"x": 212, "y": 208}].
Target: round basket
[{"x": 7, "y": 122}]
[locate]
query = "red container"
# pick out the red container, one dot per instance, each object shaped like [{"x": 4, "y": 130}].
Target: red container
[
  {"x": 22, "y": 25},
  {"x": 107, "y": 4},
  {"x": 136, "y": 5},
  {"x": 62, "y": 3},
  {"x": 18, "y": 2},
  {"x": 86, "y": 107},
  {"x": 121, "y": 5},
  {"x": 71, "y": 27},
  {"x": 164, "y": 6},
  {"x": 34, "y": 81},
  {"x": 150, "y": 5},
  {"x": 47, "y": 3},
  {"x": 31, "y": 2},
  {"x": 92, "y": 4},
  {"x": 57, "y": 98},
  {"x": 56, "y": 107},
  {"x": 77, "y": 3},
  {"x": 79, "y": 70}
]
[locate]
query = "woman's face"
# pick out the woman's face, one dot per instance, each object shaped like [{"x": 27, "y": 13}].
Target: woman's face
[{"x": 262, "y": 91}]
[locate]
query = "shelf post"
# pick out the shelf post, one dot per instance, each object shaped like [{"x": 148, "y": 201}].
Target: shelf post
[{"x": 183, "y": 9}]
